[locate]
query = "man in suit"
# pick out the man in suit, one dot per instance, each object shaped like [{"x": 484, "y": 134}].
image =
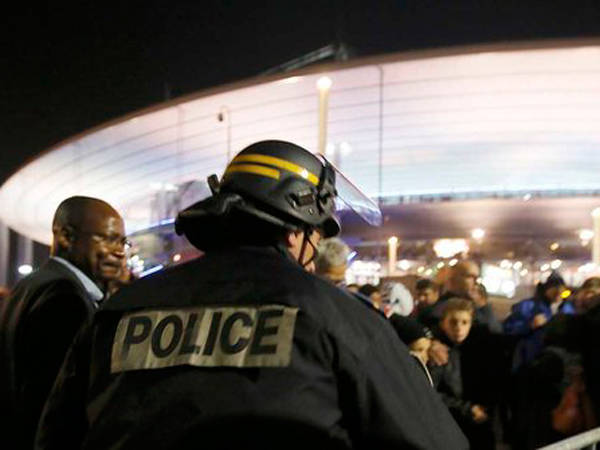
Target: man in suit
[{"x": 41, "y": 317}]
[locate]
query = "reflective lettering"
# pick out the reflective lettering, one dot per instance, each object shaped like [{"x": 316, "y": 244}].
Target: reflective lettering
[
  {"x": 187, "y": 347},
  {"x": 213, "y": 333},
  {"x": 242, "y": 342},
  {"x": 262, "y": 331},
  {"x": 228, "y": 336},
  {"x": 131, "y": 338},
  {"x": 159, "y": 333}
]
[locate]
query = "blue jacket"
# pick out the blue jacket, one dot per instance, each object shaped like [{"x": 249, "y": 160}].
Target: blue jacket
[
  {"x": 519, "y": 321},
  {"x": 518, "y": 324}
]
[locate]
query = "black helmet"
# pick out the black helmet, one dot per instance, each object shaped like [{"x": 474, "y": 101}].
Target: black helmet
[{"x": 273, "y": 181}]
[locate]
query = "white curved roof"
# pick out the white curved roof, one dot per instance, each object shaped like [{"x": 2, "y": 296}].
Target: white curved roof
[{"x": 476, "y": 120}]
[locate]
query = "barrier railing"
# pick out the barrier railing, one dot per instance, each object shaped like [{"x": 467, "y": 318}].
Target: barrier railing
[{"x": 587, "y": 440}]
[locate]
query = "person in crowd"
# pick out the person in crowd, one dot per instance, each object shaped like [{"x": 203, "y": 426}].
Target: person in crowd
[
  {"x": 587, "y": 295},
  {"x": 427, "y": 293},
  {"x": 397, "y": 299},
  {"x": 528, "y": 318},
  {"x": 243, "y": 347},
  {"x": 484, "y": 314},
  {"x": 373, "y": 293},
  {"x": 539, "y": 385},
  {"x": 533, "y": 313},
  {"x": 353, "y": 287},
  {"x": 41, "y": 317},
  {"x": 416, "y": 337},
  {"x": 331, "y": 261},
  {"x": 466, "y": 384},
  {"x": 462, "y": 282}
]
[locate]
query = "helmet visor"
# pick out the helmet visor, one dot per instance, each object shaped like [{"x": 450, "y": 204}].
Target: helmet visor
[{"x": 351, "y": 197}]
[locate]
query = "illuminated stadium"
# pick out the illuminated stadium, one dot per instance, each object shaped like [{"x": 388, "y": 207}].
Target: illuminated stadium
[{"x": 501, "y": 138}]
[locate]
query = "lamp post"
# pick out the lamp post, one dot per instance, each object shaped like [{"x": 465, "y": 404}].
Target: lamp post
[
  {"x": 225, "y": 114},
  {"x": 392, "y": 254},
  {"x": 596, "y": 238},
  {"x": 323, "y": 85}
]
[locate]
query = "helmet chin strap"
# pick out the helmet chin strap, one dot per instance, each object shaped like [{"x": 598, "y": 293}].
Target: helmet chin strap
[{"x": 306, "y": 241}]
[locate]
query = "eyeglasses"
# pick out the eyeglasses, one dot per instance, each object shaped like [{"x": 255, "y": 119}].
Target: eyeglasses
[{"x": 109, "y": 241}]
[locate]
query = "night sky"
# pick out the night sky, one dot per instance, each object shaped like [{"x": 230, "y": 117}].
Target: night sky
[{"x": 70, "y": 65}]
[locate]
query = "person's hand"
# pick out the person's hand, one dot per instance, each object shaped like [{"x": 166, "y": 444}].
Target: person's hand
[
  {"x": 539, "y": 320},
  {"x": 478, "y": 414},
  {"x": 438, "y": 353}
]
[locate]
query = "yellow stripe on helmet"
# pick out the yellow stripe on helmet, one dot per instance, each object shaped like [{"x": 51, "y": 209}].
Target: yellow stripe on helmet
[
  {"x": 278, "y": 162},
  {"x": 253, "y": 168}
]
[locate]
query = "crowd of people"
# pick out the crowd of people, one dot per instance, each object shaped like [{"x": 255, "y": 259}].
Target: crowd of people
[
  {"x": 260, "y": 343},
  {"x": 526, "y": 381}
]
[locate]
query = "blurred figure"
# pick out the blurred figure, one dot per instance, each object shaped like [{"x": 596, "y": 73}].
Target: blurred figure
[
  {"x": 332, "y": 260},
  {"x": 417, "y": 338},
  {"x": 397, "y": 300},
  {"x": 529, "y": 317},
  {"x": 484, "y": 314},
  {"x": 587, "y": 295},
  {"x": 353, "y": 288},
  {"x": 427, "y": 293},
  {"x": 533, "y": 313},
  {"x": 462, "y": 282},
  {"x": 39, "y": 321},
  {"x": 466, "y": 383},
  {"x": 373, "y": 294}
]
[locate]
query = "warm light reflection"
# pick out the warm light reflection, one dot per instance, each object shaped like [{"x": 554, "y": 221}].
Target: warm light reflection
[
  {"x": 478, "y": 233},
  {"x": 447, "y": 248},
  {"x": 324, "y": 83}
]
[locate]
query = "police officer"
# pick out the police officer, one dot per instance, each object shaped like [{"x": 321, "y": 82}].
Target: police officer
[{"x": 242, "y": 348}]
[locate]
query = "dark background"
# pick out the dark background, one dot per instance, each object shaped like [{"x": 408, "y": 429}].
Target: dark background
[{"x": 67, "y": 66}]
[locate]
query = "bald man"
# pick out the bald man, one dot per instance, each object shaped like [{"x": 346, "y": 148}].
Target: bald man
[
  {"x": 462, "y": 282},
  {"x": 41, "y": 317}
]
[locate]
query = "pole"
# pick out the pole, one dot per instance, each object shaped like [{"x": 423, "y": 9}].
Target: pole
[
  {"x": 596, "y": 238},
  {"x": 323, "y": 85},
  {"x": 392, "y": 255}
]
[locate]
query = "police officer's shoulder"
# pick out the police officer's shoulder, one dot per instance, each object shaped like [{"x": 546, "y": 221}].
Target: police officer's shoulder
[{"x": 346, "y": 317}]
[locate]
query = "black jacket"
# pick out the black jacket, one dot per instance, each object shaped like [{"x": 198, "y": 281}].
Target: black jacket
[
  {"x": 348, "y": 381},
  {"x": 38, "y": 323}
]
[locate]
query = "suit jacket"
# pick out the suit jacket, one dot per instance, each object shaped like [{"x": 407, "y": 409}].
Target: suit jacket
[{"x": 38, "y": 323}]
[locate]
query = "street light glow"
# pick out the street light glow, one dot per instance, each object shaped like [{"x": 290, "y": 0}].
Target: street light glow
[
  {"x": 478, "y": 233},
  {"x": 324, "y": 83}
]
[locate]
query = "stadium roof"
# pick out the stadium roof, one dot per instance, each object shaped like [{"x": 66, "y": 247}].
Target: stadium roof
[{"x": 472, "y": 122}]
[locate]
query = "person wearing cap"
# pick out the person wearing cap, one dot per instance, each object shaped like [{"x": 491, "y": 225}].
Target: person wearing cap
[
  {"x": 528, "y": 318},
  {"x": 417, "y": 337},
  {"x": 243, "y": 348},
  {"x": 533, "y": 313}
]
